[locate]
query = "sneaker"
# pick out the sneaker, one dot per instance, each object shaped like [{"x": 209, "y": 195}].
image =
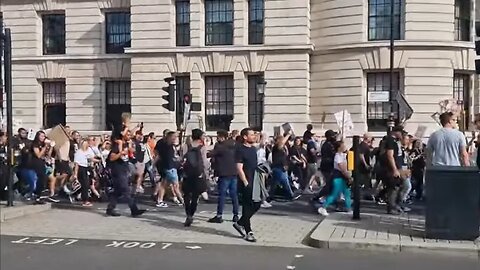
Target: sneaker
[
  {"x": 161, "y": 205},
  {"x": 138, "y": 212},
  {"x": 177, "y": 201},
  {"x": 266, "y": 204},
  {"x": 215, "y": 219},
  {"x": 239, "y": 228},
  {"x": 71, "y": 198},
  {"x": 296, "y": 197},
  {"x": 140, "y": 190},
  {"x": 205, "y": 196},
  {"x": 381, "y": 202},
  {"x": 112, "y": 213},
  {"x": 188, "y": 222},
  {"x": 53, "y": 199},
  {"x": 87, "y": 204},
  {"x": 250, "y": 237},
  {"x": 235, "y": 219},
  {"x": 322, "y": 211}
]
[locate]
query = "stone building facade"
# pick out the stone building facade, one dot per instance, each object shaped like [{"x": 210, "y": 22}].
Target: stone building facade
[{"x": 83, "y": 62}]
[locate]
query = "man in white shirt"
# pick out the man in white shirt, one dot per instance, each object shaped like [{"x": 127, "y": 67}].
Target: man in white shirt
[{"x": 447, "y": 146}]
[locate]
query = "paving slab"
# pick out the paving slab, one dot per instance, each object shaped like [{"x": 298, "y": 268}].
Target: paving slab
[
  {"x": 387, "y": 233},
  {"x": 21, "y": 210}
]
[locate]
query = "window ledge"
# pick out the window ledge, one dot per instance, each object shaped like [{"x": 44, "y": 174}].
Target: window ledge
[
  {"x": 402, "y": 44},
  {"x": 228, "y": 48},
  {"x": 68, "y": 57}
]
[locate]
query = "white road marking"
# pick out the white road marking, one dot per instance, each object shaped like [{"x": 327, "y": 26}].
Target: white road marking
[
  {"x": 193, "y": 247},
  {"x": 299, "y": 256}
]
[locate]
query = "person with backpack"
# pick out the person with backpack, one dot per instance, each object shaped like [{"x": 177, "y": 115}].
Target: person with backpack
[{"x": 195, "y": 168}]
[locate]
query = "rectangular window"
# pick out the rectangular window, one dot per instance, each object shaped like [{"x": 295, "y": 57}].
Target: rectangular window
[
  {"x": 255, "y": 103},
  {"x": 218, "y": 102},
  {"x": 379, "y": 16},
  {"x": 53, "y": 34},
  {"x": 182, "y": 9},
  {"x": 462, "y": 20},
  {"x": 54, "y": 103},
  {"x": 218, "y": 22},
  {"x": 182, "y": 88},
  {"x": 378, "y": 112},
  {"x": 117, "y": 31},
  {"x": 461, "y": 92},
  {"x": 256, "y": 18},
  {"x": 118, "y": 101}
]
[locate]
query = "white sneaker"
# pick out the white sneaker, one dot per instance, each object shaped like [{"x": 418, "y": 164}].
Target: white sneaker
[
  {"x": 266, "y": 204},
  {"x": 205, "y": 196},
  {"x": 177, "y": 201},
  {"x": 140, "y": 190},
  {"x": 322, "y": 211},
  {"x": 161, "y": 205}
]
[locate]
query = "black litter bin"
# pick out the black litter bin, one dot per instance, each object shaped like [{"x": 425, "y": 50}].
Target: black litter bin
[{"x": 453, "y": 202}]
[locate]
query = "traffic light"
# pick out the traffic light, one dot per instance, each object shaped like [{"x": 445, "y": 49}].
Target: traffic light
[{"x": 169, "y": 97}]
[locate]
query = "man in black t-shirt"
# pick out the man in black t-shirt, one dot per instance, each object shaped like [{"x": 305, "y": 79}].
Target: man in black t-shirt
[
  {"x": 365, "y": 155},
  {"x": 118, "y": 163},
  {"x": 326, "y": 164},
  {"x": 246, "y": 159},
  {"x": 392, "y": 164}
]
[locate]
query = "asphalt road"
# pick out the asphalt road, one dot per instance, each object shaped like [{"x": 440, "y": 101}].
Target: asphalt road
[{"x": 19, "y": 253}]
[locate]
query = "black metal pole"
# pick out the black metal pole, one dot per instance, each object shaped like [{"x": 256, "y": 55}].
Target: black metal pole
[
  {"x": 8, "y": 91},
  {"x": 356, "y": 178},
  {"x": 392, "y": 55}
]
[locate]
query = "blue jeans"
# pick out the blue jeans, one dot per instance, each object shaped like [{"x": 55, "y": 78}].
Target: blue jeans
[
  {"x": 339, "y": 187},
  {"x": 151, "y": 173},
  {"x": 280, "y": 177},
  {"x": 227, "y": 183},
  {"x": 30, "y": 177}
]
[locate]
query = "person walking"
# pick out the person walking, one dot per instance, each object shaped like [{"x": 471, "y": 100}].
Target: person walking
[
  {"x": 327, "y": 153},
  {"x": 447, "y": 146},
  {"x": 196, "y": 172},
  {"x": 246, "y": 161},
  {"x": 223, "y": 156},
  {"x": 118, "y": 162},
  {"x": 341, "y": 180}
]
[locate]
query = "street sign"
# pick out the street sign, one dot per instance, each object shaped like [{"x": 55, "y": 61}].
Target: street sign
[
  {"x": 405, "y": 111},
  {"x": 378, "y": 96}
]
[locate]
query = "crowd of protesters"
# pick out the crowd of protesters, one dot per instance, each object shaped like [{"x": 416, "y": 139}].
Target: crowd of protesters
[{"x": 248, "y": 166}]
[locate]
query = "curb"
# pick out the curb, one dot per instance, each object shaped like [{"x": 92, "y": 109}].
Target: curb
[
  {"x": 441, "y": 249},
  {"x": 8, "y": 213}
]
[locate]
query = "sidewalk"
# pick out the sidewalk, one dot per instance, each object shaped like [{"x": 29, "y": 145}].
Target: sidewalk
[
  {"x": 384, "y": 233},
  {"x": 20, "y": 209},
  {"x": 272, "y": 228}
]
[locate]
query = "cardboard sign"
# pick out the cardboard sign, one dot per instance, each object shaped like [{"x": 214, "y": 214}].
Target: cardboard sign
[
  {"x": 420, "y": 132},
  {"x": 344, "y": 122},
  {"x": 288, "y": 128},
  {"x": 31, "y": 134}
]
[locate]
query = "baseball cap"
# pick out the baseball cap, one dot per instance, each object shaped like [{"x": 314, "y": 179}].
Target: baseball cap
[{"x": 330, "y": 133}]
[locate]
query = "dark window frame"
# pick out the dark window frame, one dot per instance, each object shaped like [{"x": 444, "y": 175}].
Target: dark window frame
[
  {"x": 182, "y": 87},
  {"x": 255, "y": 102},
  {"x": 54, "y": 100},
  {"x": 462, "y": 20},
  {"x": 379, "y": 112},
  {"x": 219, "y": 18},
  {"x": 118, "y": 99},
  {"x": 117, "y": 31},
  {"x": 219, "y": 102},
  {"x": 182, "y": 22},
  {"x": 53, "y": 33},
  {"x": 461, "y": 92},
  {"x": 379, "y": 19},
  {"x": 256, "y": 22}
]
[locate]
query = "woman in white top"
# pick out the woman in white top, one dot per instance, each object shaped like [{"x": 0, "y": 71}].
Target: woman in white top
[
  {"x": 82, "y": 161},
  {"x": 341, "y": 180}
]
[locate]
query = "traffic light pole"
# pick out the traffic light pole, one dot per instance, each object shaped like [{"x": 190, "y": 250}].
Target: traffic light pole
[
  {"x": 6, "y": 39},
  {"x": 356, "y": 178}
]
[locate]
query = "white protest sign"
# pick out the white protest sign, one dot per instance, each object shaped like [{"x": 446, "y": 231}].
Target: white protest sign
[{"x": 344, "y": 122}]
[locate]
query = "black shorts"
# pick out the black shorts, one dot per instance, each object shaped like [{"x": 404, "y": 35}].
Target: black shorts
[{"x": 62, "y": 167}]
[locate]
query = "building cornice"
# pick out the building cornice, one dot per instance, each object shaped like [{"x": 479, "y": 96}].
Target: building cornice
[
  {"x": 68, "y": 58},
  {"x": 399, "y": 44},
  {"x": 307, "y": 48}
]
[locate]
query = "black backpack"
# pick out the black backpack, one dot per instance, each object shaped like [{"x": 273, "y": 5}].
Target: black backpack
[{"x": 193, "y": 166}]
